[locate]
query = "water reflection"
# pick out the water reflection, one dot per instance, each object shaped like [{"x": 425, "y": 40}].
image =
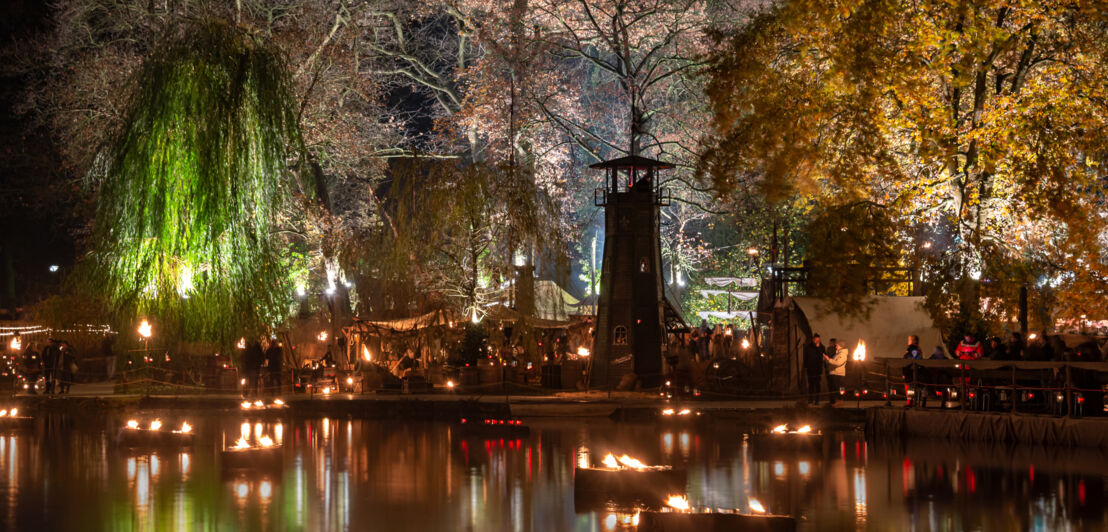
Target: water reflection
[{"x": 388, "y": 475}]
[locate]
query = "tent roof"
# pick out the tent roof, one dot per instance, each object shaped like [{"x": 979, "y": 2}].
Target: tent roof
[{"x": 891, "y": 319}]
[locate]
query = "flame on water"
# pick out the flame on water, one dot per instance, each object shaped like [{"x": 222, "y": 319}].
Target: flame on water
[
  {"x": 684, "y": 412},
  {"x": 246, "y": 405},
  {"x": 259, "y": 403},
  {"x": 244, "y": 429},
  {"x": 583, "y": 352},
  {"x": 241, "y": 444},
  {"x": 804, "y": 430},
  {"x": 185, "y": 428},
  {"x": 610, "y": 462},
  {"x": 860, "y": 351},
  {"x": 13, "y": 412},
  {"x": 780, "y": 429},
  {"x": 746, "y": 343},
  {"x": 667, "y": 412},
  {"x": 156, "y": 424},
  {"x": 265, "y": 441},
  {"x": 633, "y": 463},
  {"x": 3, "y": 413},
  {"x": 132, "y": 424},
  {"x": 449, "y": 384},
  {"x": 677, "y": 502},
  {"x": 757, "y": 507},
  {"x": 278, "y": 402},
  {"x": 16, "y": 344}
]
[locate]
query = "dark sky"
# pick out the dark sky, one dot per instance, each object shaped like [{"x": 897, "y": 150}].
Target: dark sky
[{"x": 33, "y": 232}]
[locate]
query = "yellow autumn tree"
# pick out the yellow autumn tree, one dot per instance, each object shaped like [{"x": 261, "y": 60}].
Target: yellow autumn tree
[{"x": 980, "y": 125}]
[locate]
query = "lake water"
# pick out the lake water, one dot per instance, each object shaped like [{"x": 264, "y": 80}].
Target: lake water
[{"x": 351, "y": 474}]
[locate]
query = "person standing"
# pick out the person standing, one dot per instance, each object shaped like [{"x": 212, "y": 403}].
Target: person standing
[
  {"x": 836, "y": 367},
  {"x": 274, "y": 356},
  {"x": 50, "y": 355},
  {"x": 912, "y": 352},
  {"x": 813, "y": 367},
  {"x": 969, "y": 349},
  {"x": 67, "y": 367},
  {"x": 252, "y": 359}
]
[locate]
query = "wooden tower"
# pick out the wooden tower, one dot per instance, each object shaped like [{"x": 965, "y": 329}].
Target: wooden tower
[{"x": 632, "y": 308}]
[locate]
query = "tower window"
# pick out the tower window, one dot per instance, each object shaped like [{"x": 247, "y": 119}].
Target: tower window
[{"x": 619, "y": 335}]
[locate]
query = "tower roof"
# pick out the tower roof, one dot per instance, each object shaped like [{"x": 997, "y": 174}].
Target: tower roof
[{"x": 632, "y": 161}]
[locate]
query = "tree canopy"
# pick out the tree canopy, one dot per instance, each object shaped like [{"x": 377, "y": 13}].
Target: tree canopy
[
  {"x": 979, "y": 125},
  {"x": 194, "y": 186}
]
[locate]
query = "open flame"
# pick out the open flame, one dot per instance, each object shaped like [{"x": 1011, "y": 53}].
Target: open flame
[
  {"x": 245, "y": 405},
  {"x": 780, "y": 429},
  {"x": 258, "y": 403},
  {"x": 16, "y": 344},
  {"x": 610, "y": 462},
  {"x": 156, "y": 424},
  {"x": 278, "y": 402},
  {"x": 757, "y": 507},
  {"x": 13, "y": 412},
  {"x": 241, "y": 444},
  {"x": 145, "y": 330},
  {"x": 684, "y": 412},
  {"x": 185, "y": 428},
  {"x": 678, "y": 502},
  {"x": 583, "y": 351},
  {"x": 632, "y": 463},
  {"x": 667, "y": 412},
  {"x": 804, "y": 430},
  {"x": 242, "y": 343},
  {"x": 365, "y": 354},
  {"x": 860, "y": 351},
  {"x": 265, "y": 441},
  {"x": 132, "y": 424},
  {"x": 746, "y": 343}
]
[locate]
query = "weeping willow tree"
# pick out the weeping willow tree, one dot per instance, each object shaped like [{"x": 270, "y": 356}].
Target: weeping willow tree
[{"x": 195, "y": 185}]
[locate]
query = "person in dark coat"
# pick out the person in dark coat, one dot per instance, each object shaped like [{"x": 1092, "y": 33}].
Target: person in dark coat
[
  {"x": 274, "y": 356},
  {"x": 252, "y": 359},
  {"x": 67, "y": 367},
  {"x": 813, "y": 367},
  {"x": 51, "y": 355}
]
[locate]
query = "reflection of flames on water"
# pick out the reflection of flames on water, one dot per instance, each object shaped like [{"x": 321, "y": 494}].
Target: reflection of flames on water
[
  {"x": 784, "y": 429},
  {"x": 265, "y": 442},
  {"x": 6, "y": 413},
  {"x": 757, "y": 507}
]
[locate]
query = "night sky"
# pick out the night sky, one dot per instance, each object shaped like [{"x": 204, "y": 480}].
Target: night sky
[{"x": 37, "y": 201}]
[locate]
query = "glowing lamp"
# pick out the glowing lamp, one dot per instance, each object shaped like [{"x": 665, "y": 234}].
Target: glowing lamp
[{"x": 746, "y": 343}]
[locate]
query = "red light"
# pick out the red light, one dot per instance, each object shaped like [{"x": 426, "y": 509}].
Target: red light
[
  {"x": 487, "y": 421},
  {"x": 1080, "y": 399},
  {"x": 1030, "y": 395},
  {"x": 463, "y": 420},
  {"x": 972, "y": 395}
]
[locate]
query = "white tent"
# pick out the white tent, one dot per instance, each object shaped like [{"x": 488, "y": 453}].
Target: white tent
[{"x": 885, "y": 329}]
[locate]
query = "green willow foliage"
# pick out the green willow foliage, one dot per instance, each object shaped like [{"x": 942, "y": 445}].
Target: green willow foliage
[{"x": 193, "y": 186}]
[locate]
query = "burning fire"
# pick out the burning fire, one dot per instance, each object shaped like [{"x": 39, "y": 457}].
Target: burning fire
[
  {"x": 241, "y": 444},
  {"x": 583, "y": 352},
  {"x": 757, "y": 507},
  {"x": 322, "y": 336},
  {"x": 258, "y": 403},
  {"x": 245, "y": 405},
  {"x": 804, "y": 430},
  {"x": 632, "y": 463},
  {"x": 746, "y": 343},
  {"x": 278, "y": 402},
  {"x": 242, "y": 343},
  {"x": 678, "y": 502},
  {"x": 145, "y": 330},
  {"x": 610, "y": 462},
  {"x": 132, "y": 424},
  {"x": 860, "y": 351},
  {"x": 156, "y": 424},
  {"x": 667, "y": 412},
  {"x": 780, "y": 429},
  {"x": 365, "y": 354},
  {"x": 16, "y": 344},
  {"x": 13, "y": 412},
  {"x": 185, "y": 428},
  {"x": 450, "y": 384},
  {"x": 265, "y": 441}
]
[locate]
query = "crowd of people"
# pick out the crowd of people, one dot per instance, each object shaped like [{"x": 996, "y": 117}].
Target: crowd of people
[{"x": 55, "y": 366}]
